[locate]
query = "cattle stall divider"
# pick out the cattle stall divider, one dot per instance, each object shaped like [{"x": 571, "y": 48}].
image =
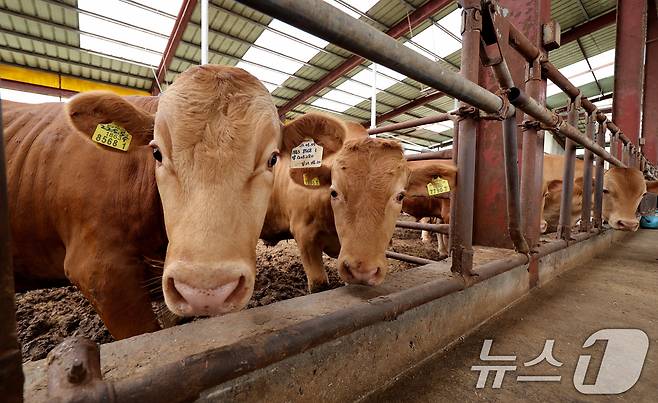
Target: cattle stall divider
[{"x": 487, "y": 35}]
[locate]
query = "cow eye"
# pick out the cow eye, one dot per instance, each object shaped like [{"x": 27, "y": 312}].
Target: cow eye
[
  {"x": 334, "y": 194},
  {"x": 273, "y": 159},
  {"x": 606, "y": 191},
  {"x": 157, "y": 154},
  {"x": 400, "y": 197}
]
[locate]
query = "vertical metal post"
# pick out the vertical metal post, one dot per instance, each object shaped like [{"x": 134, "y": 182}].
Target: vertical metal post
[
  {"x": 512, "y": 185},
  {"x": 650, "y": 103},
  {"x": 373, "y": 99},
  {"x": 453, "y": 195},
  {"x": 564, "y": 226},
  {"x": 598, "y": 181},
  {"x": 614, "y": 144},
  {"x": 462, "y": 243},
  {"x": 629, "y": 62},
  {"x": 533, "y": 158},
  {"x": 586, "y": 215},
  {"x": 204, "y": 32},
  {"x": 11, "y": 372}
]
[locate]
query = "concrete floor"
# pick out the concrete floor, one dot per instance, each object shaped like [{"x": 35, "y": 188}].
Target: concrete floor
[{"x": 616, "y": 290}]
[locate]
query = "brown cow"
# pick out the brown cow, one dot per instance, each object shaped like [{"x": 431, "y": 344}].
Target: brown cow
[
  {"x": 351, "y": 211},
  {"x": 423, "y": 207},
  {"x": 623, "y": 188},
  {"x": 198, "y": 172}
]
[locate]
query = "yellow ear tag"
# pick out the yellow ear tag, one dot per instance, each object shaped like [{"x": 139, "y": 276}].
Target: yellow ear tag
[
  {"x": 306, "y": 155},
  {"x": 311, "y": 182},
  {"x": 438, "y": 186},
  {"x": 112, "y": 135}
]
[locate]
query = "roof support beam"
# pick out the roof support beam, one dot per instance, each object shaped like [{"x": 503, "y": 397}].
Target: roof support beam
[
  {"x": 589, "y": 27},
  {"x": 414, "y": 19},
  {"x": 184, "y": 16}
]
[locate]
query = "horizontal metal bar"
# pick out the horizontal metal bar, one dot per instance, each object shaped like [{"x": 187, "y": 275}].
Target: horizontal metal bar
[
  {"x": 327, "y": 22},
  {"x": 441, "y": 117},
  {"x": 434, "y": 155},
  {"x": 409, "y": 258},
  {"x": 552, "y": 121},
  {"x": 440, "y": 228}
]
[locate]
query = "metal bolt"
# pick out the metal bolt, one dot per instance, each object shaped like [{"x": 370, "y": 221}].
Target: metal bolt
[{"x": 77, "y": 372}]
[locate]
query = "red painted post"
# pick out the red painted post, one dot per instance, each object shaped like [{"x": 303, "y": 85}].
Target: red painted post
[
  {"x": 461, "y": 229},
  {"x": 490, "y": 218},
  {"x": 629, "y": 62},
  {"x": 650, "y": 104}
]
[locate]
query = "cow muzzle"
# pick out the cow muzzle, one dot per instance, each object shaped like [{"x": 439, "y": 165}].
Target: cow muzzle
[
  {"x": 625, "y": 225},
  {"x": 198, "y": 291},
  {"x": 354, "y": 271}
]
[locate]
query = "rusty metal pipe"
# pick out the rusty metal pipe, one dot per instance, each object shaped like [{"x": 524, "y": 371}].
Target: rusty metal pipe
[
  {"x": 532, "y": 164},
  {"x": 325, "y": 21},
  {"x": 566, "y": 200},
  {"x": 512, "y": 185},
  {"x": 461, "y": 232},
  {"x": 11, "y": 372},
  {"x": 409, "y": 258},
  {"x": 435, "y": 155},
  {"x": 586, "y": 214},
  {"x": 553, "y": 122},
  {"x": 598, "y": 180},
  {"x": 441, "y": 117},
  {"x": 421, "y": 226}
]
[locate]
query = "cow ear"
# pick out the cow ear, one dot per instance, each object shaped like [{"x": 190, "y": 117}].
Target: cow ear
[
  {"x": 327, "y": 131},
  {"x": 88, "y": 110},
  {"x": 652, "y": 186},
  {"x": 421, "y": 176},
  {"x": 312, "y": 178},
  {"x": 555, "y": 186}
]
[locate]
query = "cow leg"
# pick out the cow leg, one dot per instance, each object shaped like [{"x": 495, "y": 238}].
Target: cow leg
[
  {"x": 443, "y": 245},
  {"x": 113, "y": 281},
  {"x": 311, "y": 254},
  {"x": 426, "y": 236}
]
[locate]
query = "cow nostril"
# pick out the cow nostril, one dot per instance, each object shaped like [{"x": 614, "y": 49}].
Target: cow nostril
[{"x": 171, "y": 286}]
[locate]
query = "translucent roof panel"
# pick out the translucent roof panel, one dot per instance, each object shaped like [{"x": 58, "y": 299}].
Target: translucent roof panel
[
  {"x": 361, "y": 5},
  {"x": 434, "y": 40},
  {"x": 603, "y": 66},
  {"x": 439, "y": 127},
  {"x": 132, "y": 15},
  {"x": 27, "y": 97},
  {"x": 303, "y": 50},
  {"x": 453, "y": 22},
  {"x": 330, "y": 104}
]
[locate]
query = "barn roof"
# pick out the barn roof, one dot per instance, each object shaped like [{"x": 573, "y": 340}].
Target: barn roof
[{"x": 124, "y": 42}]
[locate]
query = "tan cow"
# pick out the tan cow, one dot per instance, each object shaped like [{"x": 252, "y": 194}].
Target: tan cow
[
  {"x": 423, "y": 207},
  {"x": 623, "y": 188},
  {"x": 197, "y": 173},
  {"x": 349, "y": 212}
]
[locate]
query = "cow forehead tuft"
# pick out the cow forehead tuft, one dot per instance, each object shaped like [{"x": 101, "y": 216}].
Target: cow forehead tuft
[{"x": 629, "y": 179}]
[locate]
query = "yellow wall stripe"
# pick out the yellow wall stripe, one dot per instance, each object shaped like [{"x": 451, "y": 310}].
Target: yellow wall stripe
[{"x": 52, "y": 80}]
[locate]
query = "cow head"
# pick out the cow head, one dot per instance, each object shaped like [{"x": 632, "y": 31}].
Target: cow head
[
  {"x": 366, "y": 180},
  {"x": 551, "y": 204},
  {"x": 215, "y": 138},
  {"x": 623, "y": 189}
]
